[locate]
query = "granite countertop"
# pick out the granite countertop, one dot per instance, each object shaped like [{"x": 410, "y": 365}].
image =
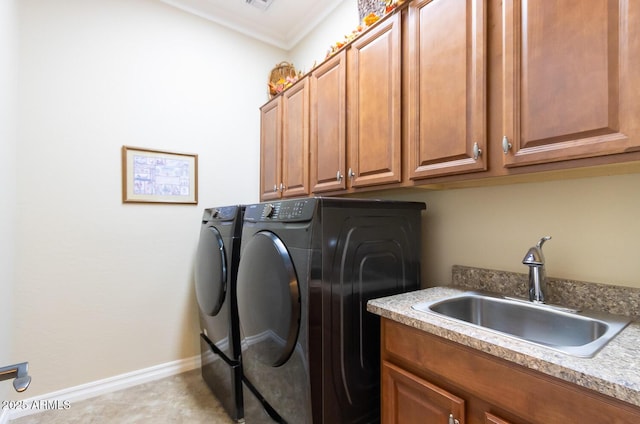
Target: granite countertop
[{"x": 613, "y": 371}]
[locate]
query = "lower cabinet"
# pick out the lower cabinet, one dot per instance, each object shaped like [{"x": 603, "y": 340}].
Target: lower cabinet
[
  {"x": 407, "y": 398},
  {"x": 427, "y": 379},
  {"x": 492, "y": 419}
]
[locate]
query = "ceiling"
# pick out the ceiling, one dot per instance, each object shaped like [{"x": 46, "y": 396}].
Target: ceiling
[{"x": 282, "y": 24}]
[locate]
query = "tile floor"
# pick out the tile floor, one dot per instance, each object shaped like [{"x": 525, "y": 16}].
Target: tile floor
[{"x": 180, "y": 399}]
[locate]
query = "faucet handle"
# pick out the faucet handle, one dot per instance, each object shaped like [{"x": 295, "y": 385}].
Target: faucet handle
[
  {"x": 534, "y": 255},
  {"x": 542, "y": 240}
]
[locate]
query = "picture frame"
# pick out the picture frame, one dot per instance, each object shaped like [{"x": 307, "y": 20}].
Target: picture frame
[{"x": 158, "y": 176}]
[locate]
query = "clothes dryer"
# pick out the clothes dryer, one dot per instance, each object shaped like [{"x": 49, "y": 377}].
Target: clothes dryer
[
  {"x": 307, "y": 269},
  {"x": 216, "y": 268}
]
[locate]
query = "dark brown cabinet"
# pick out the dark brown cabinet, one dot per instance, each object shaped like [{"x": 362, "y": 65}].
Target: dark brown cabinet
[
  {"x": 295, "y": 140},
  {"x": 445, "y": 91},
  {"x": 410, "y": 399},
  {"x": 489, "y": 418},
  {"x": 328, "y": 136},
  {"x": 284, "y": 144},
  {"x": 432, "y": 377},
  {"x": 356, "y": 113},
  {"x": 374, "y": 105},
  {"x": 570, "y": 80},
  {"x": 446, "y": 87},
  {"x": 270, "y": 146}
]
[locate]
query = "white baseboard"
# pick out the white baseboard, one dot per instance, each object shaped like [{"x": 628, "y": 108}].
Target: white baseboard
[{"x": 100, "y": 387}]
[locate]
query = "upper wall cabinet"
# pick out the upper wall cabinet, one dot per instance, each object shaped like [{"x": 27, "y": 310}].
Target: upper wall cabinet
[
  {"x": 570, "y": 79},
  {"x": 374, "y": 103},
  {"x": 284, "y": 156},
  {"x": 452, "y": 90},
  {"x": 295, "y": 140},
  {"x": 328, "y": 138},
  {"x": 446, "y": 87},
  {"x": 360, "y": 145},
  {"x": 270, "y": 149}
]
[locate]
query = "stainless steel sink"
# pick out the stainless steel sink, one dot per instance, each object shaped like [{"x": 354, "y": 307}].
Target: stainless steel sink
[{"x": 566, "y": 330}]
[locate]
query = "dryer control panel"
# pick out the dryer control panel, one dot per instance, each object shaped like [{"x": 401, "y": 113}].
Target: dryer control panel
[
  {"x": 224, "y": 213},
  {"x": 296, "y": 210}
]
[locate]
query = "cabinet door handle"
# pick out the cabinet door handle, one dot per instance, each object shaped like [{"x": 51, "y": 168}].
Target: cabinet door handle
[
  {"x": 275, "y": 188},
  {"x": 339, "y": 176},
  {"x": 477, "y": 151},
  {"x": 282, "y": 187},
  {"x": 351, "y": 173},
  {"x": 453, "y": 420},
  {"x": 506, "y": 146}
]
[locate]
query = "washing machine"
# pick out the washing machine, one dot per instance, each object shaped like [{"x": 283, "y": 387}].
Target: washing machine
[
  {"x": 308, "y": 267},
  {"x": 216, "y": 268}
]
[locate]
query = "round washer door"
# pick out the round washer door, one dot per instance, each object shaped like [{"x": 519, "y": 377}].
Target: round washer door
[
  {"x": 268, "y": 300},
  {"x": 211, "y": 271}
]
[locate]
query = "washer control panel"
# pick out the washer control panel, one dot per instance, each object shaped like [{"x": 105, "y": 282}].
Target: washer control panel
[{"x": 282, "y": 211}]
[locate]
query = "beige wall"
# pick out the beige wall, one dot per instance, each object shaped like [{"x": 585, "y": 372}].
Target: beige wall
[
  {"x": 593, "y": 221},
  {"x": 8, "y": 70},
  {"x": 105, "y": 288}
]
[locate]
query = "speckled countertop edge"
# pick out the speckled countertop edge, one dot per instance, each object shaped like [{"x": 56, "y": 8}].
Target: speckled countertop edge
[{"x": 614, "y": 371}]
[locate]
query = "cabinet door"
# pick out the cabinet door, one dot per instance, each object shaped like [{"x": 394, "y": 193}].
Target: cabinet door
[
  {"x": 270, "y": 129},
  {"x": 295, "y": 140},
  {"x": 374, "y": 99},
  {"x": 410, "y": 399},
  {"x": 570, "y": 79},
  {"x": 492, "y": 419},
  {"x": 447, "y": 87},
  {"x": 328, "y": 125}
]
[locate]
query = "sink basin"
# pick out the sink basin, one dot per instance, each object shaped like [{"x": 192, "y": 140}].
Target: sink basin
[{"x": 566, "y": 330}]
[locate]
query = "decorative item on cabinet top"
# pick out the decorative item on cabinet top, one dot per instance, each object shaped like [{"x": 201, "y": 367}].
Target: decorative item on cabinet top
[
  {"x": 377, "y": 7},
  {"x": 371, "y": 11},
  {"x": 283, "y": 76}
]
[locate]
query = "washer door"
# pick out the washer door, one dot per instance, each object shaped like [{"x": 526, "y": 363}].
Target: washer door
[
  {"x": 211, "y": 271},
  {"x": 268, "y": 300}
]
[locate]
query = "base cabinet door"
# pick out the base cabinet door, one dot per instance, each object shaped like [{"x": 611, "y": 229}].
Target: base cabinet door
[
  {"x": 492, "y": 419},
  {"x": 491, "y": 390},
  {"x": 407, "y": 398}
]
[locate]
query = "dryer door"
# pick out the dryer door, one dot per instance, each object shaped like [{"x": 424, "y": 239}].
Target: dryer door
[
  {"x": 211, "y": 271},
  {"x": 268, "y": 300}
]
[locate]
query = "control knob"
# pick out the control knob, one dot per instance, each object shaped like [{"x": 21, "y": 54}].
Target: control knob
[{"x": 269, "y": 210}]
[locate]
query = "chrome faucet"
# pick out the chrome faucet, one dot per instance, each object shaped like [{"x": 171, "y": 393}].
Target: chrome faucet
[
  {"x": 19, "y": 372},
  {"x": 534, "y": 259}
]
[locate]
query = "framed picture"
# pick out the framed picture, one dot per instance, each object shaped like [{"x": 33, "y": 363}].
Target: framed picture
[{"x": 156, "y": 176}]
